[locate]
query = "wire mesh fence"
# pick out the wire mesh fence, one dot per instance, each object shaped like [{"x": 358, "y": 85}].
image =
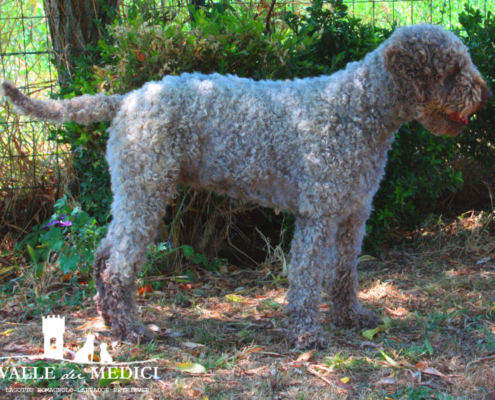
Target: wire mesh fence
[
  {"x": 30, "y": 165},
  {"x": 33, "y": 168},
  {"x": 406, "y": 12}
]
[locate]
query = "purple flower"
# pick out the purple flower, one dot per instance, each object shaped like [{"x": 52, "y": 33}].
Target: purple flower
[
  {"x": 63, "y": 224},
  {"x": 50, "y": 224},
  {"x": 170, "y": 244}
]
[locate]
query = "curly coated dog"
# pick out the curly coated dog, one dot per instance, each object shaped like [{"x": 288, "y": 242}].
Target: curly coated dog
[{"x": 316, "y": 147}]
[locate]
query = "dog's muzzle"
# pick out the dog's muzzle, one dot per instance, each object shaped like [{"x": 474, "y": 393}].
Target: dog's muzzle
[{"x": 486, "y": 95}]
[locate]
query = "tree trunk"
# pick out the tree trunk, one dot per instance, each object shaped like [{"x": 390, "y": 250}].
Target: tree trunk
[{"x": 75, "y": 25}]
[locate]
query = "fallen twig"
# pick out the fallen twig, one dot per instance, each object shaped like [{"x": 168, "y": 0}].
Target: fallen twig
[
  {"x": 480, "y": 360},
  {"x": 312, "y": 371}
]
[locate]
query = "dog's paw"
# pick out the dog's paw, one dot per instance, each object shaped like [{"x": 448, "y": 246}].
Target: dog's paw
[
  {"x": 129, "y": 328},
  {"x": 314, "y": 338},
  {"x": 356, "y": 316},
  {"x": 140, "y": 334}
]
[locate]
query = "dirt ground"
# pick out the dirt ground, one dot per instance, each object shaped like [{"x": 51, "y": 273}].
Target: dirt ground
[{"x": 222, "y": 334}]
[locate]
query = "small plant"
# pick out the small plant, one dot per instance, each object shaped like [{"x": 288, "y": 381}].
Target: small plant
[
  {"x": 160, "y": 251},
  {"x": 340, "y": 362},
  {"x": 68, "y": 238},
  {"x": 200, "y": 258}
]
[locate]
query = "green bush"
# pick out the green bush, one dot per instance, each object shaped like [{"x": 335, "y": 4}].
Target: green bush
[
  {"x": 478, "y": 139},
  {"x": 418, "y": 173},
  {"x": 340, "y": 37},
  {"x": 229, "y": 42}
]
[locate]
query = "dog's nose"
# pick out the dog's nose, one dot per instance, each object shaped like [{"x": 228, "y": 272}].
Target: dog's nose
[{"x": 485, "y": 94}]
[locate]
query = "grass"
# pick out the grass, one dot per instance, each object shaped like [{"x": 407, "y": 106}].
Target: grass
[{"x": 440, "y": 345}]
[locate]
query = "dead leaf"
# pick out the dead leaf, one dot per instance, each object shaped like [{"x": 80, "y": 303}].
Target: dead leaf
[
  {"x": 389, "y": 359},
  {"x": 270, "y": 353},
  {"x": 171, "y": 333},
  {"x": 93, "y": 323},
  {"x": 370, "y": 344},
  {"x": 154, "y": 328},
  {"x": 387, "y": 381},
  {"x": 134, "y": 351},
  {"x": 192, "y": 345},
  {"x": 5, "y": 270},
  {"x": 366, "y": 257},
  {"x": 193, "y": 368},
  {"x": 344, "y": 385},
  {"x": 306, "y": 356},
  {"x": 254, "y": 349},
  {"x": 140, "y": 56},
  {"x": 424, "y": 369},
  {"x": 145, "y": 289}
]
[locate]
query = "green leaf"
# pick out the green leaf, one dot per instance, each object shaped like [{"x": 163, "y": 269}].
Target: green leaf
[
  {"x": 39, "y": 270},
  {"x": 32, "y": 253},
  {"x": 188, "y": 251},
  {"x": 69, "y": 263},
  {"x": 235, "y": 298},
  {"x": 190, "y": 276},
  {"x": 389, "y": 359},
  {"x": 370, "y": 333},
  {"x": 429, "y": 347},
  {"x": 193, "y": 368}
]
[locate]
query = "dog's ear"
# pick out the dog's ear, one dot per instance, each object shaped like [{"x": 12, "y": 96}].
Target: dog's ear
[
  {"x": 408, "y": 63},
  {"x": 449, "y": 76}
]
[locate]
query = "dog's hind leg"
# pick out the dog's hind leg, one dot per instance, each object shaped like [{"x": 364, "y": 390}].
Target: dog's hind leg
[{"x": 142, "y": 185}]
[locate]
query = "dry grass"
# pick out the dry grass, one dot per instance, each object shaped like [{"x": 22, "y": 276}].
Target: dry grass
[
  {"x": 33, "y": 172},
  {"x": 439, "y": 292}
]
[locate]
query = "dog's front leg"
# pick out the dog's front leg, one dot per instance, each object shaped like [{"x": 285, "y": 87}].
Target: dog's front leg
[{"x": 313, "y": 240}]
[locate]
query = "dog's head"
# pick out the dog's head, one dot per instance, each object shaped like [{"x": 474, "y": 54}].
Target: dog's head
[{"x": 435, "y": 76}]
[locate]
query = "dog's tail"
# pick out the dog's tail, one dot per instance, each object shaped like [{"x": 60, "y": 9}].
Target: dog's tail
[{"x": 83, "y": 109}]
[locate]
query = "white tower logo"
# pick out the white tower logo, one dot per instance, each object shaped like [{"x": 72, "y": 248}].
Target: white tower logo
[{"x": 54, "y": 328}]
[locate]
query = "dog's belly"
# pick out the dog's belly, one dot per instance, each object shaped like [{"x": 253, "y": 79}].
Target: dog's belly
[{"x": 268, "y": 191}]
